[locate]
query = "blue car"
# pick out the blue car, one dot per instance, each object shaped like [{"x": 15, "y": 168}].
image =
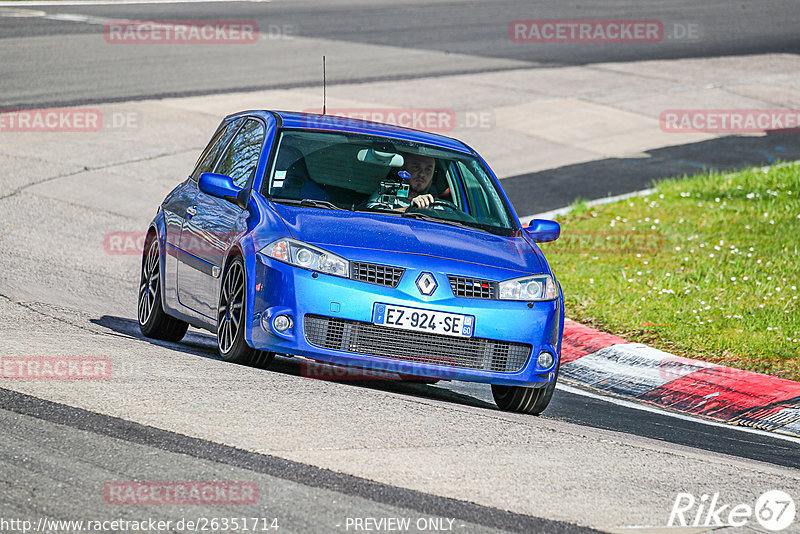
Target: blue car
[{"x": 358, "y": 244}]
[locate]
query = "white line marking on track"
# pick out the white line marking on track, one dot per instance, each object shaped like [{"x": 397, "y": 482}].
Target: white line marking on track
[
  {"x": 597, "y": 202},
  {"x": 85, "y": 19},
  {"x": 608, "y": 200},
  {"x": 21, "y": 13},
  {"x": 116, "y": 2},
  {"x": 66, "y": 17},
  {"x": 70, "y": 17},
  {"x": 685, "y": 417}
]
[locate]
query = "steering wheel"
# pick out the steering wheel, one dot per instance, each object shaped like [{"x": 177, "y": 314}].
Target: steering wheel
[{"x": 438, "y": 202}]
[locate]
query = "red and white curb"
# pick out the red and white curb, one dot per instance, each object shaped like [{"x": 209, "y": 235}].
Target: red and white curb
[{"x": 610, "y": 364}]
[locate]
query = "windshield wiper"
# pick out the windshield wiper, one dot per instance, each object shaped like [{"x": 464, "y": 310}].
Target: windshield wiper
[
  {"x": 425, "y": 217},
  {"x": 309, "y": 202},
  {"x": 379, "y": 209}
]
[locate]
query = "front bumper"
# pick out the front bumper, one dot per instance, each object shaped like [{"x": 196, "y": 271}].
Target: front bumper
[{"x": 332, "y": 322}]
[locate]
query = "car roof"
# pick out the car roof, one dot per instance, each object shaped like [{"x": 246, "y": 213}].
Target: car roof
[{"x": 294, "y": 119}]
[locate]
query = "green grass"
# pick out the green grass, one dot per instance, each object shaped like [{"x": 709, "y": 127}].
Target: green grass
[{"x": 707, "y": 267}]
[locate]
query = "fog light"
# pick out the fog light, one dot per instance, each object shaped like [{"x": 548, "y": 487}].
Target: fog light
[
  {"x": 545, "y": 359},
  {"x": 282, "y": 323}
]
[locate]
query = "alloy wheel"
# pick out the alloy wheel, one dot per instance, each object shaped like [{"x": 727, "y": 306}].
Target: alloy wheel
[
  {"x": 148, "y": 287},
  {"x": 231, "y": 304}
]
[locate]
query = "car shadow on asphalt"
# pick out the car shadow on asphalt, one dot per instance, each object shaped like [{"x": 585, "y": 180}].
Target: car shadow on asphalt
[
  {"x": 194, "y": 342},
  {"x": 204, "y": 345}
]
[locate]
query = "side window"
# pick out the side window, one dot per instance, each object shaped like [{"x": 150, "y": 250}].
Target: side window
[
  {"x": 455, "y": 186},
  {"x": 241, "y": 158},
  {"x": 475, "y": 192},
  {"x": 478, "y": 185},
  {"x": 206, "y": 161}
]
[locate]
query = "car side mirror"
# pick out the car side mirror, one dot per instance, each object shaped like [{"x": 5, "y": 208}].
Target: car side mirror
[
  {"x": 220, "y": 186},
  {"x": 543, "y": 230}
]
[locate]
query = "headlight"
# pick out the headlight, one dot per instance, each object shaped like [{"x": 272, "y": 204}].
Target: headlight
[
  {"x": 306, "y": 256},
  {"x": 539, "y": 287}
]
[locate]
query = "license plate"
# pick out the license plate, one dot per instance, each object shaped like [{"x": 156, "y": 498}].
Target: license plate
[{"x": 433, "y": 322}]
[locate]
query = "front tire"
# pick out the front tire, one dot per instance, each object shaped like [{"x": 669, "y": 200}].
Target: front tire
[
  {"x": 231, "y": 311},
  {"x": 153, "y": 320},
  {"x": 523, "y": 399}
]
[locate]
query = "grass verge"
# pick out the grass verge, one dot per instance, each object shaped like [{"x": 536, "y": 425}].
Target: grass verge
[{"x": 707, "y": 267}]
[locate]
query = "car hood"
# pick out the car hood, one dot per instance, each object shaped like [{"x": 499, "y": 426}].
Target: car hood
[{"x": 399, "y": 234}]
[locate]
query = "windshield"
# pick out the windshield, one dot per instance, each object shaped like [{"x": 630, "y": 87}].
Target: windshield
[{"x": 358, "y": 172}]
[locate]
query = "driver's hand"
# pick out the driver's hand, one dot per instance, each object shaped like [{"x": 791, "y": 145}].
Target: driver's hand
[{"x": 421, "y": 201}]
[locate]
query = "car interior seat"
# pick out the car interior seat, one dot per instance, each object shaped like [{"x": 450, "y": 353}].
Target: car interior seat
[
  {"x": 440, "y": 189},
  {"x": 296, "y": 182}
]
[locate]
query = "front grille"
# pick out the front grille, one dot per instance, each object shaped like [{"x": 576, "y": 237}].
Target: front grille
[
  {"x": 376, "y": 274},
  {"x": 473, "y": 288},
  {"x": 374, "y": 340}
]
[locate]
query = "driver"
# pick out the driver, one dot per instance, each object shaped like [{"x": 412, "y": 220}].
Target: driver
[{"x": 421, "y": 170}]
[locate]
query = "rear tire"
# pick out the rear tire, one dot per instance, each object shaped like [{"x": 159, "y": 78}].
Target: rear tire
[
  {"x": 523, "y": 399},
  {"x": 231, "y": 310},
  {"x": 153, "y": 320}
]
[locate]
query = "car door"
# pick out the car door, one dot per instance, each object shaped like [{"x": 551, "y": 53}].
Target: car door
[
  {"x": 176, "y": 205},
  {"x": 179, "y": 247},
  {"x": 213, "y": 224}
]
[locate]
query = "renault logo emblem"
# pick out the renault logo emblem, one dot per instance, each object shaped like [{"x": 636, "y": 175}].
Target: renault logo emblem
[{"x": 426, "y": 284}]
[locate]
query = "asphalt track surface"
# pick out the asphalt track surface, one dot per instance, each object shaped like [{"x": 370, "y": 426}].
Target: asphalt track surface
[
  {"x": 55, "y": 455},
  {"x": 63, "y": 432},
  {"x": 52, "y": 70}
]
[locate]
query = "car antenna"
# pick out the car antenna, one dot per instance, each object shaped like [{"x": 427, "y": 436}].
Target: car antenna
[{"x": 324, "y": 95}]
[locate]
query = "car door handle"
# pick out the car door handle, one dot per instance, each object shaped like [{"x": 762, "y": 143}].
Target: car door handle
[{"x": 191, "y": 211}]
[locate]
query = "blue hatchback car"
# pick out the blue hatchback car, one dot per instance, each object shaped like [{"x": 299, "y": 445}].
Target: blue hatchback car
[{"x": 359, "y": 244}]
